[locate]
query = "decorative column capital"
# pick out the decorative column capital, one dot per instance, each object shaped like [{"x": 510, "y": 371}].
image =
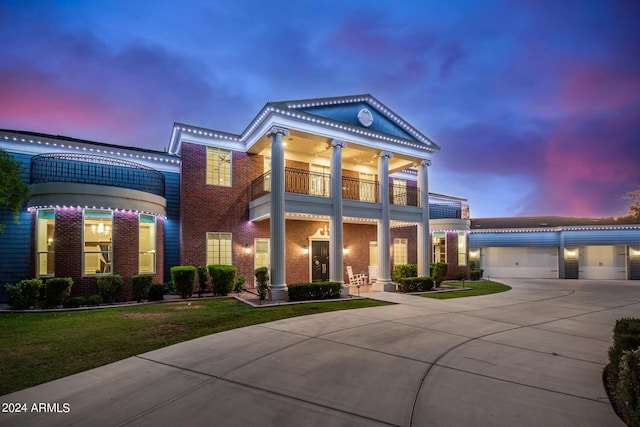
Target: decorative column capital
[
  {"x": 337, "y": 143},
  {"x": 387, "y": 154},
  {"x": 278, "y": 130},
  {"x": 425, "y": 162}
]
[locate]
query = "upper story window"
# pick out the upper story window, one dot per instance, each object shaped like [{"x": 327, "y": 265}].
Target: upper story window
[
  {"x": 44, "y": 242},
  {"x": 368, "y": 187},
  {"x": 399, "y": 191},
  {"x": 319, "y": 180},
  {"x": 218, "y": 166},
  {"x": 97, "y": 241},
  {"x": 147, "y": 244}
]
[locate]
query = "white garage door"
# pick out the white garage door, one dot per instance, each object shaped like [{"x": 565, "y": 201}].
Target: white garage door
[
  {"x": 540, "y": 263},
  {"x": 603, "y": 262}
]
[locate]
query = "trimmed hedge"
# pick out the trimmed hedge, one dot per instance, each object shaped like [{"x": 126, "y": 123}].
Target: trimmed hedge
[
  {"x": 623, "y": 370},
  {"x": 203, "y": 279},
  {"x": 25, "y": 293},
  {"x": 314, "y": 291},
  {"x": 223, "y": 278},
  {"x": 404, "y": 270},
  {"x": 140, "y": 285},
  {"x": 476, "y": 274},
  {"x": 626, "y": 336},
  {"x": 56, "y": 290},
  {"x": 74, "y": 302},
  {"x": 95, "y": 300},
  {"x": 156, "y": 292},
  {"x": 415, "y": 284},
  {"x": 262, "y": 281},
  {"x": 110, "y": 287},
  {"x": 183, "y": 278}
]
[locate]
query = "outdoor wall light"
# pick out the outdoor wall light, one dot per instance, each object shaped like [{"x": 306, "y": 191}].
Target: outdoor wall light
[
  {"x": 247, "y": 249},
  {"x": 571, "y": 253},
  {"x": 634, "y": 252},
  {"x": 345, "y": 251},
  {"x": 473, "y": 254},
  {"x": 305, "y": 250}
]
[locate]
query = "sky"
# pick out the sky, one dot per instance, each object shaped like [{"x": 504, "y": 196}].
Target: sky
[{"x": 535, "y": 103}]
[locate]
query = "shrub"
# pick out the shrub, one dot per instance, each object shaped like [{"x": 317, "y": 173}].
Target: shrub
[
  {"x": 240, "y": 281},
  {"x": 223, "y": 277},
  {"x": 404, "y": 270},
  {"x": 156, "y": 292},
  {"x": 628, "y": 387},
  {"x": 314, "y": 291},
  {"x": 203, "y": 279},
  {"x": 183, "y": 278},
  {"x": 110, "y": 287},
  {"x": 168, "y": 288},
  {"x": 476, "y": 274},
  {"x": 473, "y": 264},
  {"x": 25, "y": 293},
  {"x": 74, "y": 302},
  {"x": 262, "y": 281},
  {"x": 415, "y": 284},
  {"x": 626, "y": 336},
  {"x": 140, "y": 285},
  {"x": 439, "y": 272},
  {"x": 461, "y": 275},
  {"x": 56, "y": 290},
  {"x": 95, "y": 300}
]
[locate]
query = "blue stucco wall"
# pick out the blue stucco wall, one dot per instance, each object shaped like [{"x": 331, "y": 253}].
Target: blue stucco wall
[
  {"x": 349, "y": 114},
  {"x": 172, "y": 224}
]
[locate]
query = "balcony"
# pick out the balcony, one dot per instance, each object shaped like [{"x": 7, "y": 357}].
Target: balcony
[
  {"x": 304, "y": 182},
  {"x": 89, "y": 169}
]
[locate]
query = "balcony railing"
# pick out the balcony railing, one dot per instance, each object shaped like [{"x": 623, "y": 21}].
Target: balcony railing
[{"x": 89, "y": 169}]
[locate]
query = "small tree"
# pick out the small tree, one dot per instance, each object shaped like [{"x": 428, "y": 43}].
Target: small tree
[
  {"x": 633, "y": 210},
  {"x": 439, "y": 272},
  {"x": 262, "y": 281},
  {"x": 14, "y": 192},
  {"x": 240, "y": 281}
]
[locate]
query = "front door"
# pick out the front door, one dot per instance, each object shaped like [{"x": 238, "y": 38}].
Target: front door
[{"x": 319, "y": 261}]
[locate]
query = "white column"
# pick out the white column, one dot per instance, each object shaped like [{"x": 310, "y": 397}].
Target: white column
[
  {"x": 336, "y": 269},
  {"x": 278, "y": 287},
  {"x": 384, "y": 282},
  {"x": 424, "y": 241}
]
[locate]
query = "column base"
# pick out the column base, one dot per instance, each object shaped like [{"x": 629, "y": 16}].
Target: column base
[
  {"x": 278, "y": 293},
  {"x": 384, "y": 286}
]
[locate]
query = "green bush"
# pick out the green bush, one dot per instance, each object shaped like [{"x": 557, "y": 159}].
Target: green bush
[
  {"x": 404, "y": 270},
  {"x": 240, "y": 281},
  {"x": 440, "y": 272},
  {"x": 56, "y": 290},
  {"x": 203, "y": 279},
  {"x": 95, "y": 300},
  {"x": 476, "y": 274},
  {"x": 628, "y": 387},
  {"x": 262, "y": 281},
  {"x": 74, "y": 302},
  {"x": 314, "y": 291},
  {"x": 415, "y": 284},
  {"x": 140, "y": 285},
  {"x": 461, "y": 275},
  {"x": 223, "y": 277},
  {"x": 626, "y": 336},
  {"x": 183, "y": 278},
  {"x": 110, "y": 287},
  {"x": 25, "y": 293},
  {"x": 156, "y": 292}
]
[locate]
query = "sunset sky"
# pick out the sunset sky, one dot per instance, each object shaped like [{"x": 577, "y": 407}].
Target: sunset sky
[{"x": 536, "y": 104}]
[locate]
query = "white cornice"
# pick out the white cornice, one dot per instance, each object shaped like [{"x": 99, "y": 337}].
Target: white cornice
[{"x": 557, "y": 229}]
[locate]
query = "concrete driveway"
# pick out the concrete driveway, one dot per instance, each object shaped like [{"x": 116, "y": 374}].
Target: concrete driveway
[{"x": 528, "y": 357}]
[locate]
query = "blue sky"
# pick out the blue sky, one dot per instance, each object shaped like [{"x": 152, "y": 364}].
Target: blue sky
[{"x": 536, "y": 104}]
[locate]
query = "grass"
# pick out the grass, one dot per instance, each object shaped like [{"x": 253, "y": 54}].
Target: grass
[
  {"x": 40, "y": 347},
  {"x": 477, "y": 288}
]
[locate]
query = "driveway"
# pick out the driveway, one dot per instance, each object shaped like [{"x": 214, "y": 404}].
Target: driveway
[{"x": 528, "y": 357}]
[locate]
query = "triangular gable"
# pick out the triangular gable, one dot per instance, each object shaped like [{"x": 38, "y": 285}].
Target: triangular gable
[{"x": 358, "y": 111}]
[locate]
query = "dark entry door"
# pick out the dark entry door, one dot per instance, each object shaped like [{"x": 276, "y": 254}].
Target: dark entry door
[{"x": 319, "y": 261}]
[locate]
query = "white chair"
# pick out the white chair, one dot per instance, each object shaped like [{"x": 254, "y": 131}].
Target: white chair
[
  {"x": 373, "y": 273},
  {"x": 356, "y": 279}
]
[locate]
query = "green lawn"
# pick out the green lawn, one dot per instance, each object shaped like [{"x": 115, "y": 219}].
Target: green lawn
[
  {"x": 478, "y": 288},
  {"x": 40, "y": 347}
]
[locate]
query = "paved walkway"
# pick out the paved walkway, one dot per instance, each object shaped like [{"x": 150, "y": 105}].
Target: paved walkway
[{"x": 528, "y": 357}]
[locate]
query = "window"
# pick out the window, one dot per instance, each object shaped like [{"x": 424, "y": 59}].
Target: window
[
  {"x": 147, "y": 239},
  {"x": 319, "y": 181},
  {"x": 439, "y": 246},
  {"x": 373, "y": 253},
  {"x": 462, "y": 248},
  {"x": 218, "y": 167},
  {"x": 44, "y": 242},
  {"x": 219, "y": 249},
  {"x": 261, "y": 253},
  {"x": 399, "y": 251},
  {"x": 97, "y": 238},
  {"x": 267, "y": 177},
  {"x": 399, "y": 191},
  {"x": 368, "y": 187}
]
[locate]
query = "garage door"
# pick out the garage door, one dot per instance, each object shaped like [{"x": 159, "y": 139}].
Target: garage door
[
  {"x": 541, "y": 263},
  {"x": 603, "y": 262}
]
